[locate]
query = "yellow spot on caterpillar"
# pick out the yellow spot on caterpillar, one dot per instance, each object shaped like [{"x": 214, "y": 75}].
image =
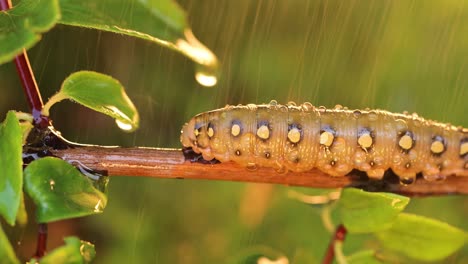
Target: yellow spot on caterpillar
[
  {"x": 210, "y": 132},
  {"x": 294, "y": 135},
  {"x": 196, "y": 132},
  {"x": 263, "y": 132},
  {"x": 437, "y": 147},
  {"x": 365, "y": 141},
  {"x": 235, "y": 130},
  {"x": 406, "y": 142},
  {"x": 463, "y": 148},
  {"x": 326, "y": 138}
]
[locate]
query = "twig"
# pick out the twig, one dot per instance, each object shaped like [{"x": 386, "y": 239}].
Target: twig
[
  {"x": 339, "y": 236},
  {"x": 28, "y": 80},
  {"x": 41, "y": 241},
  {"x": 31, "y": 90},
  {"x": 171, "y": 163}
]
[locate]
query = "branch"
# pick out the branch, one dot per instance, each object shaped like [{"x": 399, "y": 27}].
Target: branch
[
  {"x": 26, "y": 75},
  {"x": 171, "y": 163}
]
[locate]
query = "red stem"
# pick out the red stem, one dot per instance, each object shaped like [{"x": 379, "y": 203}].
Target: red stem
[
  {"x": 26, "y": 75},
  {"x": 41, "y": 241},
  {"x": 31, "y": 90},
  {"x": 340, "y": 235}
]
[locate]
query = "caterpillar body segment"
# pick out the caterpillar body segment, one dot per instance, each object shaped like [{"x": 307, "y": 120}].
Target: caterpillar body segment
[{"x": 301, "y": 137}]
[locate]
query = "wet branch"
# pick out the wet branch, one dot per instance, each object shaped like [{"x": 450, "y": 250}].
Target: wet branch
[
  {"x": 171, "y": 163},
  {"x": 339, "y": 236}
]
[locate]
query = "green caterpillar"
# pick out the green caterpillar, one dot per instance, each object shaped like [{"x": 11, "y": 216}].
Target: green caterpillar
[{"x": 301, "y": 137}]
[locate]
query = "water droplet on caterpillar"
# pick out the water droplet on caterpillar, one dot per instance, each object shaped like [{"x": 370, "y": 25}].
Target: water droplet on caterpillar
[
  {"x": 273, "y": 103},
  {"x": 338, "y": 107},
  {"x": 357, "y": 113},
  {"x": 373, "y": 116}
]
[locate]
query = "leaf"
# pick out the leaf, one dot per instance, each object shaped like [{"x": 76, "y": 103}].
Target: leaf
[
  {"x": 11, "y": 164},
  {"x": 20, "y": 27},
  {"x": 7, "y": 254},
  {"x": 159, "y": 21},
  {"x": 101, "y": 93},
  {"x": 422, "y": 238},
  {"x": 363, "y": 257},
  {"x": 74, "y": 251},
  {"x": 60, "y": 191},
  {"x": 366, "y": 212}
]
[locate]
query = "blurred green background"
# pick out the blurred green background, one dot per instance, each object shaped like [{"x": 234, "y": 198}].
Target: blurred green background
[{"x": 393, "y": 55}]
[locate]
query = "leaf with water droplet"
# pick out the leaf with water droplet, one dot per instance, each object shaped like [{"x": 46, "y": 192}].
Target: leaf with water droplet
[
  {"x": 163, "y": 22},
  {"x": 101, "y": 93},
  {"x": 74, "y": 251},
  {"x": 422, "y": 238},
  {"x": 366, "y": 212},
  {"x": 21, "y": 26},
  {"x": 7, "y": 254},
  {"x": 60, "y": 191},
  {"x": 11, "y": 164}
]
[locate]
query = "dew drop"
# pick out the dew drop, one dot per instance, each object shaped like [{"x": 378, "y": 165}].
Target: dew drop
[
  {"x": 373, "y": 116},
  {"x": 124, "y": 125},
  {"x": 273, "y": 103},
  {"x": 207, "y": 61},
  {"x": 357, "y": 113},
  {"x": 206, "y": 79},
  {"x": 52, "y": 184}
]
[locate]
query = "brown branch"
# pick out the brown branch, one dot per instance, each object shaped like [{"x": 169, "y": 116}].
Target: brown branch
[
  {"x": 339, "y": 236},
  {"x": 171, "y": 163}
]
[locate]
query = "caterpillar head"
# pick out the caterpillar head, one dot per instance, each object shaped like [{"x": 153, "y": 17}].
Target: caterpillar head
[
  {"x": 196, "y": 133},
  {"x": 187, "y": 136}
]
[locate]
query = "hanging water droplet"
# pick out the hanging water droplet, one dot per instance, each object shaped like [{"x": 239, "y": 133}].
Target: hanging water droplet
[
  {"x": 205, "y": 77},
  {"x": 99, "y": 207},
  {"x": 124, "y": 125},
  {"x": 99, "y": 178},
  {"x": 208, "y": 63}
]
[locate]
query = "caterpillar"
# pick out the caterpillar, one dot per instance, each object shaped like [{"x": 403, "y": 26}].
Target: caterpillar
[{"x": 301, "y": 137}]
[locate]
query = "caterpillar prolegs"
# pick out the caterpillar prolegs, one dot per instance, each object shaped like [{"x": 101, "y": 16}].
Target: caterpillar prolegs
[{"x": 300, "y": 137}]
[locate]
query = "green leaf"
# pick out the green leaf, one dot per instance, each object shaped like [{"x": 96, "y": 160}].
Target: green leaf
[
  {"x": 7, "y": 254},
  {"x": 101, "y": 93},
  {"x": 11, "y": 164},
  {"x": 74, "y": 251},
  {"x": 366, "y": 212},
  {"x": 363, "y": 257},
  {"x": 159, "y": 21},
  {"x": 20, "y": 27},
  {"x": 60, "y": 191},
  {"x": 422, "y": 238}
]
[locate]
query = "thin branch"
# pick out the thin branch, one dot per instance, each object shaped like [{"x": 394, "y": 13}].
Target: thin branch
[
  {"x": 171, "y": 163},
  {"x": 26, "y": 75},
  {"x": 31, "y": 91},
  {"x": 41, "y": 241},
  {"x": 339, "y": 236}
]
